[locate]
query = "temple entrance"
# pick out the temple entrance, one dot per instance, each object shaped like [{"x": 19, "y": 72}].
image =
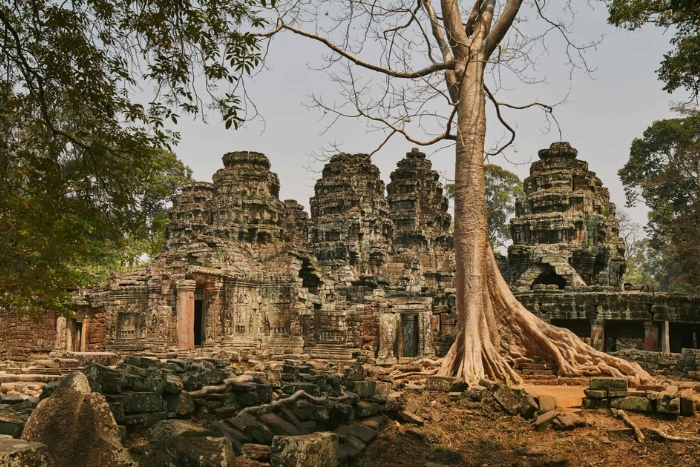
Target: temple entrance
[
  {"x": 198, "y": 322},
  {"x": 78, "y": 337},
  {"x": 550, "y": 277},
  {"x": 409, "y": 335}
]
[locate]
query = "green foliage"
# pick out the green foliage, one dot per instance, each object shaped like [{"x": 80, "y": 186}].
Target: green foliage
[
  {"x": 680, "y": 68},
  {"x": 83, "y": 183},
  {"x": 502, "y": 187}
]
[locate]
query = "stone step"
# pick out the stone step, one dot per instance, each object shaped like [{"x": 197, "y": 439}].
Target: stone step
[
  {"x": 29, "y": 378},
  {"x": 532, "y": 366},
  {"x": 539, "y": 377}
]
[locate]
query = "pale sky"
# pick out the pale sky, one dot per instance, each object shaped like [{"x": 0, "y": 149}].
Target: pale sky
[{"x": 601, "y": 117}]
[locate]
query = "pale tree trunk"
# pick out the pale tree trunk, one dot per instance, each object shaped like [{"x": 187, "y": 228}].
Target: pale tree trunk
[{"x": 493, "y": 329}]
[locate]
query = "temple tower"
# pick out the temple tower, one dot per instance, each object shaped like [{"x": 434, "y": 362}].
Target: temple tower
[{"x": 565, "y": 232}]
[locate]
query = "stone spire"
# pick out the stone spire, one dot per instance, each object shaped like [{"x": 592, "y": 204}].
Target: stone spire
[
  {"x": 565, "y": 232},
  {"x": 246, "y": 205},
  {"x": 349, "y": 215},
  {"x": 418, "y": 206},
  {"x": 191, "y": 211}
]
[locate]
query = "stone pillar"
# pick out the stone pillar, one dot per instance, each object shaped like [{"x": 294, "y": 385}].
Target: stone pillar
[
  {"x": 651, "y": 336},
  {"x": 665, "y": 338},
  {"x": 213, "y": 334},
  {"x": 598, "y": 334},
  {"x": 61, "y": 334},
  {"x": 185, "y": 314}
]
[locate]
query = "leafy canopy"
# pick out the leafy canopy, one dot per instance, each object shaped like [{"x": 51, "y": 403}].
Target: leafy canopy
[
  {"x": 502, "y": 188},
  {"x": 82, "y": 175}
]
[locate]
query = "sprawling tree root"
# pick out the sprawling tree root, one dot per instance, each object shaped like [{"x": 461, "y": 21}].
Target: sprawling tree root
[
  {"x": 501, "y": 331},
  {"x": 300, "y": 394},
  {"x": 635, "y": 429},
  {"x": 417, "y": 370}
]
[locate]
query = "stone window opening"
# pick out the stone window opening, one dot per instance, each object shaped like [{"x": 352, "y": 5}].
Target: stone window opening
[
  {"x": 549, "y": 277},
  {"x": 309, "y": 278}
]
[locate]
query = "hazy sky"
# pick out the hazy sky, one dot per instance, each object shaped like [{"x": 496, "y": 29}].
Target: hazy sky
[{"x": 601, "y": 117}]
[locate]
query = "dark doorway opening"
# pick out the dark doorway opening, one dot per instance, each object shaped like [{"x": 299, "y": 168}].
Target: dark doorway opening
[
  {"x": 409, "y": 335},
  {"x": 78, "y": 337},
  {"x": 683, "y": 336},
  {"x": 198, "y": 321},
  {"x": 550, "y": 277}
]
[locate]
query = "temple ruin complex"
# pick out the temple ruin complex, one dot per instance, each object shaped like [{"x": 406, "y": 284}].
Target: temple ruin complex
[{"x": 368, "y": 274}]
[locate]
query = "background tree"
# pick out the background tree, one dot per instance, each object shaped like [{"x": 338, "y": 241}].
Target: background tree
[
  {"x": 409, "y": 66},
  {"x": 80, "y": 175},
  {"x": 502, "y": 187}
]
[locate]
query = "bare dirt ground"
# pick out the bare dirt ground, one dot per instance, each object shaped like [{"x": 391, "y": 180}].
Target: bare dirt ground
[{"x": 464, "y": 433}]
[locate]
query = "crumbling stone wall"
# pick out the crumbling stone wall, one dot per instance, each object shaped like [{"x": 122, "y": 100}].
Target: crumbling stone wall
[
  {"x": 684, "y": 365},
  {"x": 21, "y": 337}
]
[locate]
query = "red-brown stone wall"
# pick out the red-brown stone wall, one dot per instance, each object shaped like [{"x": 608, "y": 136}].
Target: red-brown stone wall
[
  {"x": 22, "y": 337},
  {"x": 96, "y": 332}
]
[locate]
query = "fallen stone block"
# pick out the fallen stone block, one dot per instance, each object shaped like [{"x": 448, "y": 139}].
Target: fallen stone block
[
  {"x": 172, "y": 384},
  {"x": 249, "y": 425},
  {"x": 424, "y": 435},
  {"x": 313, "y": 450},
  {"x": 568, "y": 421},
  {"x": 546, "y": 418},
  {"x": 196, "y": 452},
  {"x": 508, "y": 399},
  {"x": 363, "y": 388},
  {"x": 409, "y": 417},
  {"x": 221, "y": 429},
  {"x": 477, "y": 393},
  {"x": 669, "y": 406},
  {"x": 19, "y": 453},
  {"x": 138, "y": 402},
  {"x": 595, "y": 393},
  {"x": 438, "y": 383},
  {"x": 279, "y": 426},
  {"x": 171, "y": 428},
  {"x": 364, "y": 409},
  {"x": 594, "y": 404},
  {"x": 354, "y": 372},
  {"x": 608, "y": 384},
  {"x": 687, "y": 403},
  {"x": 528, "y": 406},
  {"x": 258, "y": 452},
  {"x": 488, "y": 384},
  {"x": 395, "y": 401},
  {"x": 144, "y": 419},
  {"x": 77, "y": 427},
  {"x": 12, "y": 423},
  {"x": 632, "y": 403},
  {"x": 180, "y": 404}
]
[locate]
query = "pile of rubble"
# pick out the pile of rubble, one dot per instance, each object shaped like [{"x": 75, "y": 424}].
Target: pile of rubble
[{"x": 614, "y": 393}]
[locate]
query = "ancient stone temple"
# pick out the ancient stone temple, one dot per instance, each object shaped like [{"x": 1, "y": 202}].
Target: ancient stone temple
[
  {"x": 244, "y": 271},
  {"x": 564, "y": 232}
]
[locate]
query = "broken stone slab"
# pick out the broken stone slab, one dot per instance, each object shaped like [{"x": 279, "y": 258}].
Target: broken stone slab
[
  {"x": 138, "y": 402},
  {"x": 77, "y": 427},
  {"x": 291, "y": 368},
  {"x": 288, "y": 416},
  {"x": 409, "y": 417},
  {"x": 595, "y": 393},
  {"x": 313, "y": 450},
  {"x": 439, "y": 383},
  {"x": 144, "y": 419},
  {"x": 354, "y": 443},
  {"x": 546, "y": 418},
  {"x": 547, "y": 403},
  {"x": 424, "y": 435},
  {"x": 142, "y": 362},
  {"x": 258, "y": 452},
  {"x": 395, "y": 401},
  {"x": 255, "y": 430},
  {"x": 363, "y": 432},
  {"x": 488, "y": 384},
  {"x": 632, "y": 403},
  {"x": 20, "y": 453},
  {"x": 226, "y": 411},
  {"x": 508, "y": 399},
  {"x": 364, "y": 409},
  {"x": 203, "y": 451},
  {"x": 568, "y": 421},
  {"x": 11, "y": 399},
  {"x": 171, "y": 428},
  {"x": 608, "y": 384},
  {"x": 671, "y": 392}
]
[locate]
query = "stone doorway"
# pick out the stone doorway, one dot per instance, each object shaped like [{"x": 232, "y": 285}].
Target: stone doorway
[
  {"x": 409, "y": 335},
  {"x": 78, "y": 337},
  {"x": 198, "y": 322}
]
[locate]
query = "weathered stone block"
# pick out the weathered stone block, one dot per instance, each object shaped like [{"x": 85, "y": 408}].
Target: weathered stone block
[
  {"x": 594, "y": 404},
  {"x": 438, "y": 383},
  {"x": 669, "y": 406},
  {"x": 595, "y": 393},
  {"x": 139, "y": 402},
  {"x": 180, "y": 404},
  {"x": 476, "y": 393},
  {"x": 608, "y": 384},
  {"x": 632, "y": 403},
  {"x": 19, "y": 453},
  {"x": 364, "y": 388},
  {"x": 354, "y": 372},
  {"x": 144, "y": 419},
  {"x": 364, "y": 409},
  {"x": 314, "y": 450},
  {"x": 165, "y": 429},
  {"x": 528, "y": 406},
  {"x": 172, "y": 384},
  {"x": 196, "y": 452},
  {"x": 687, "y": 403},
  {"x": 309, "y": 388},
  {"x": 508, "y": 399},
  {"x": 258, "y": 452}
]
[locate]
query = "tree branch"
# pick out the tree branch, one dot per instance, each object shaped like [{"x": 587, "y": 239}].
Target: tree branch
[{"x": 502, "y": 26}]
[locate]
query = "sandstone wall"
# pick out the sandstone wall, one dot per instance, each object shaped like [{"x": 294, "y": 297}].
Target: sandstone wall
[
  {"x": 684, "y": 365},
  {"x": 22, "y": 337}
]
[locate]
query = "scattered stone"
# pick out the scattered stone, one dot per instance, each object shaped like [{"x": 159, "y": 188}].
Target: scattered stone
[
  {"x": 258, "y": 452},
  {"x": 409, "y": 417},
  {"x": 669, "y": 406},
  {"x": 547, "y": 403},
  {"x": 595, "y": 393},
  {"x": 608, "y": 384},
  {"x": 192, "y": 452},
  {"x": 594, "y": 404},
  {"x": 507, "y": 399},
  {"x": 530, "y": 451},
  {"x": 12, "y": 423},
  {"x": 632, "y": 403},
  {"x": 313, "y": 450},
  {"x": 179, "y": 404},
  {"x": 423, "y": 435},
  {"x": 687, "y": 403},
  {"x": 568, "y": 421},
  {"x": 544, "y": 419},
  {"x": 395, "y": 401},
  {"x": 488, "y": 384},
  {"x": 171, "y": 428},
  {"x": 477, "y": 393},
  {"x": 19, "y": 453},
  {"x": 528, "y": 406},
  {"x": 77, "y": 427},
  {"x": 354, "y": 372}
]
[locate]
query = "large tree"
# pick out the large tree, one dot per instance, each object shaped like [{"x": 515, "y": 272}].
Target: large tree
[
  {"x": 81, "y": 172},
  {"x": 411, "y": 65},
  {"x": 502, "y": 187}
]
